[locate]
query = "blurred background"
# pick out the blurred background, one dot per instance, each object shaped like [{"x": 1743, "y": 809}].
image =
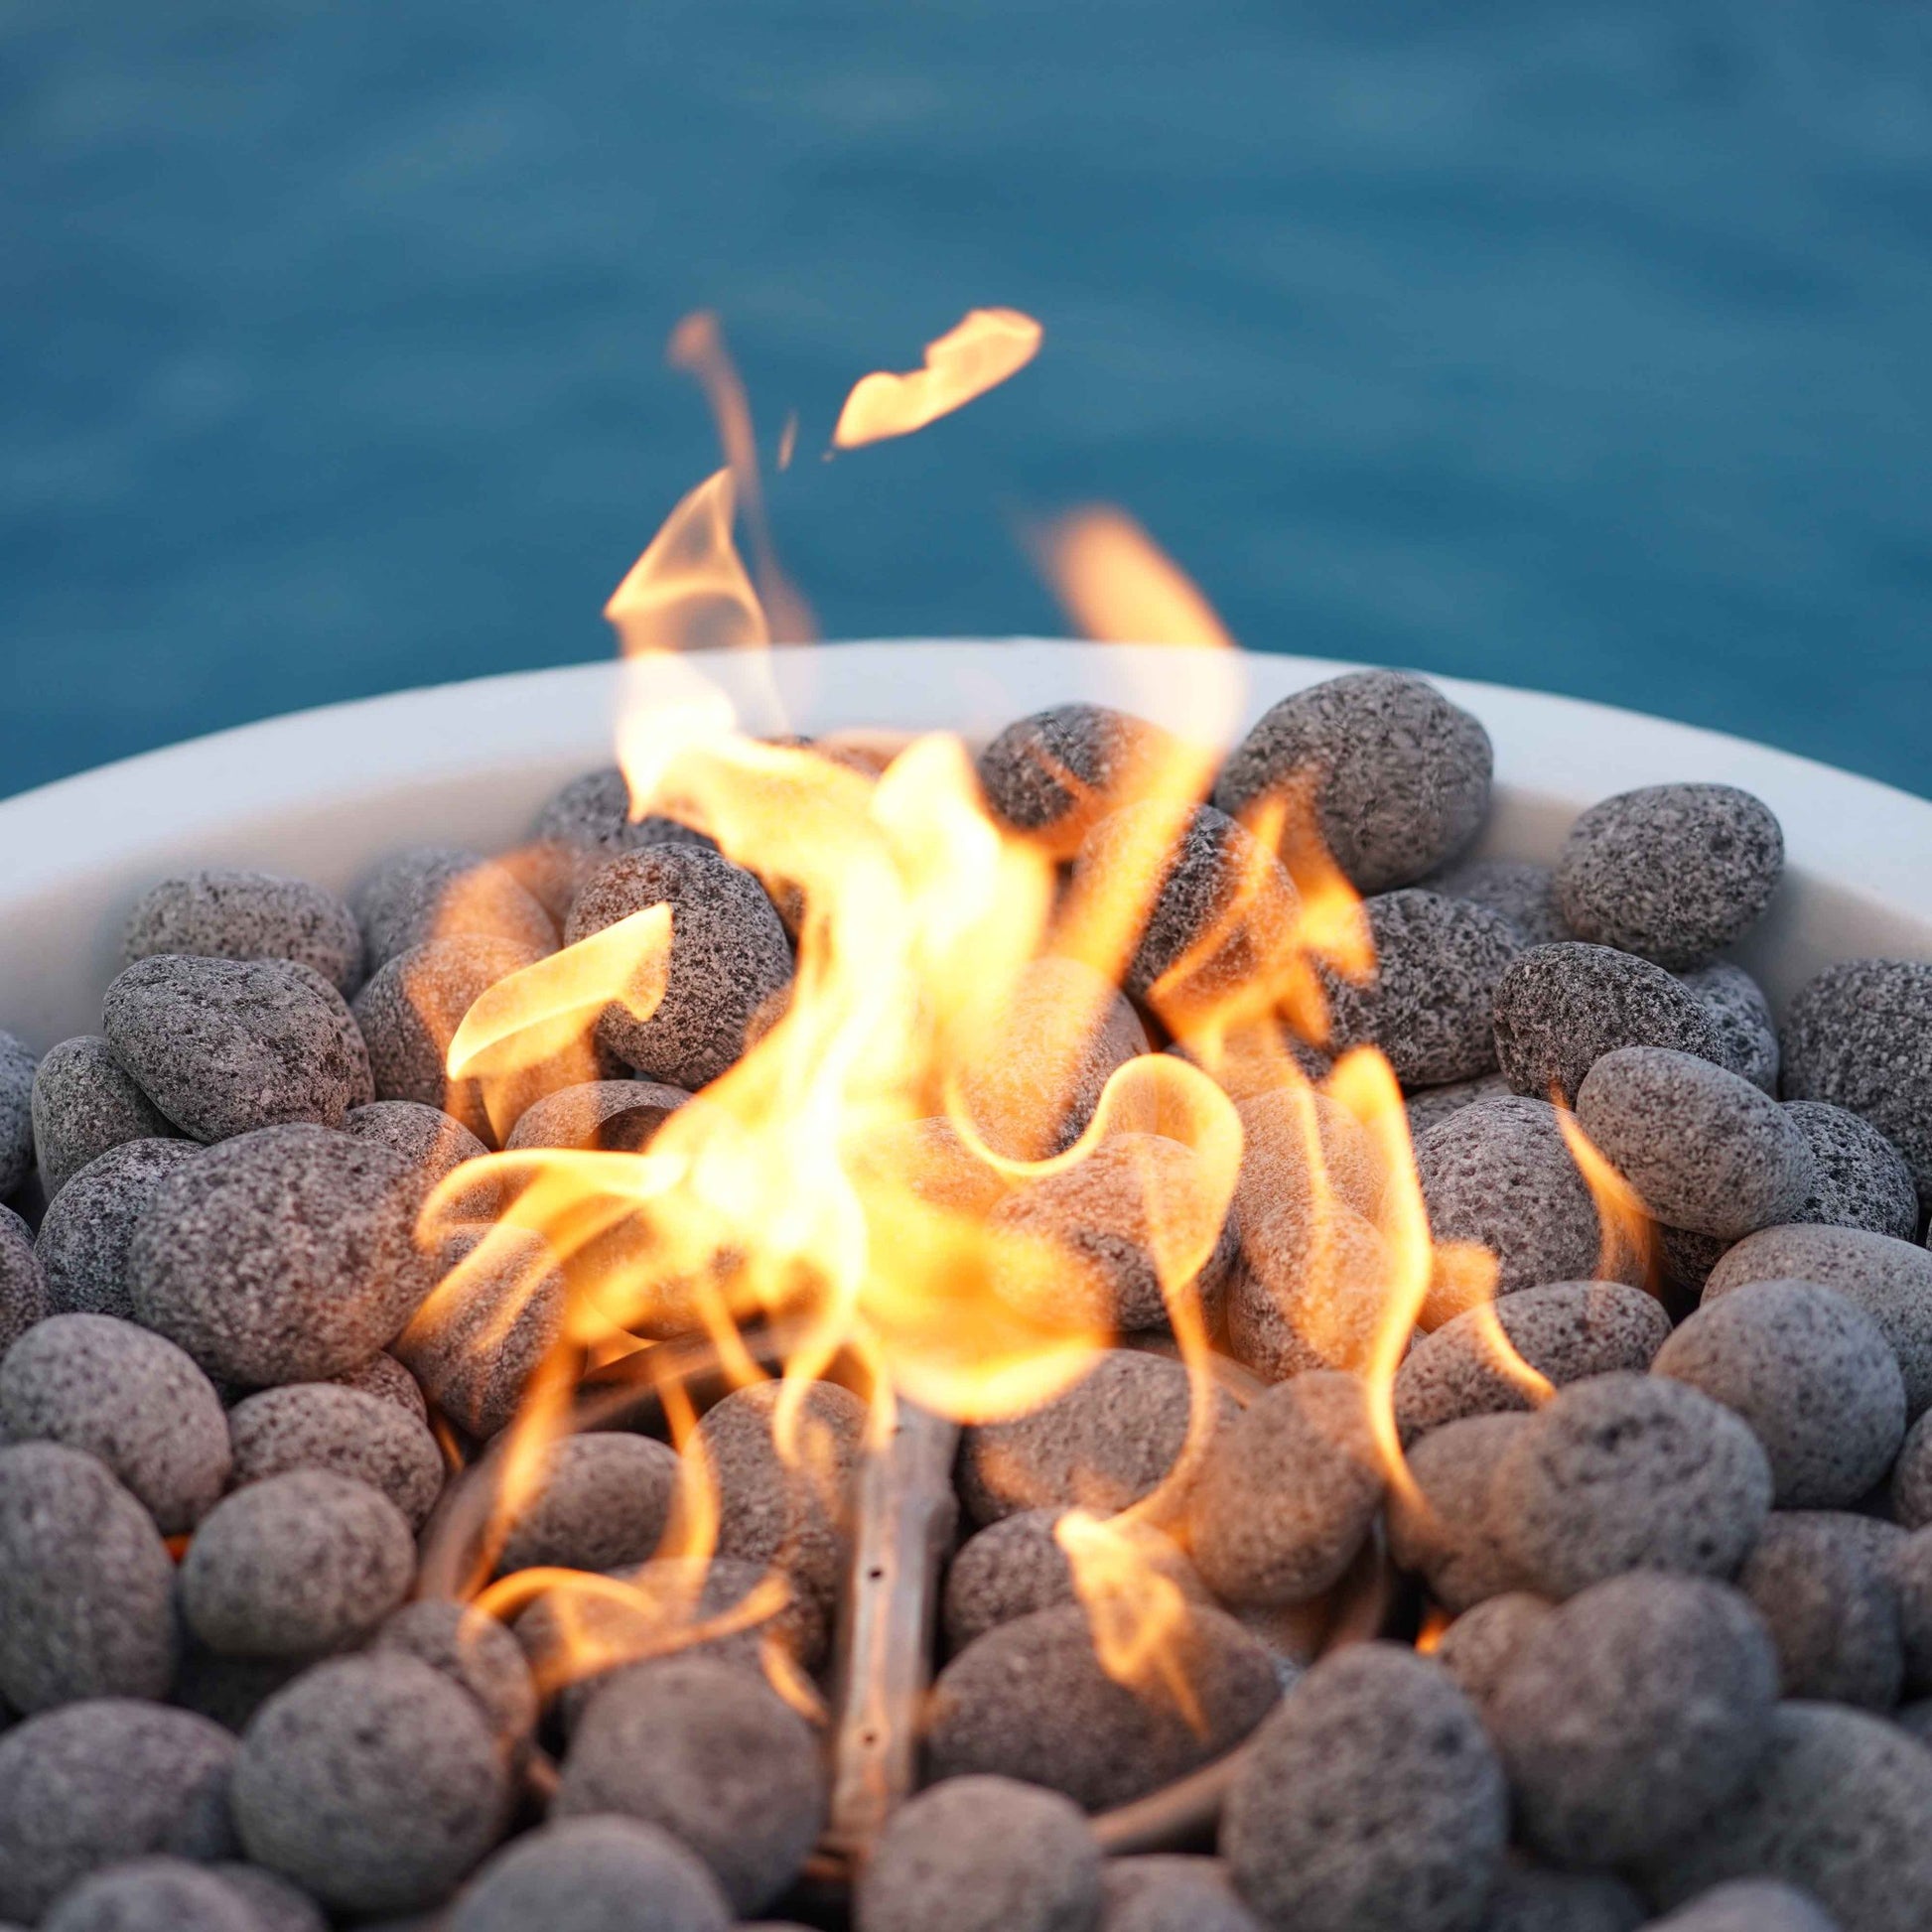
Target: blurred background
[{"x": 1577, "y": 343}]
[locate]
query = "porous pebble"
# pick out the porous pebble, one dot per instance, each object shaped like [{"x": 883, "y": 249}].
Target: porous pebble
[
  {"x": 1370, "y": 1799},
  {"x": 1445, "y": 1530},
  {"x": 1395, "y": 776},
  {"x": 616, "y": 1116},
  {"x": 1430, "y": 999},
  {"x": 432, "y": 1146},
  {"x": 223, "y": 1046},
  {"x": 584, "y": 824},
  {"x": 1747, "y": 1034},
  {"x": 1564, "y": 1332},
  {"x": 1675, "y": 871},
  {"x": 128, "y": 1396},
  {"x": 1171, "y": 1893},
  {"x": 1704, "y": 1149},
  {"x": 1309, "y": 1290},
  {"x": 1530, "y": 1898},
  {"x": 1109, "y": 1442},
  {"x": 1032, "y": 1700},
  {"x": 87, "y": 1587},
  {"x": 476, "y": 1653},
  {"x": 1811, "y": 1373},
  {"x": 156, "y": 1894},
  {"x": 1825, "y": 1594},
  {"x": 714, "y": 1756},
  {"x": 88, "y": 1232},
  {"x": 1480, "y": 1646},
  {"x": 1908, "y": 1568},
  {"x": 24, "y": 1297},
  {"x": 728, "y": 954},
  {"x": 277, "y": 1905},
  {"x": 600, "y": 1502},
  {"x": 1524, "y": 893},
  {"x": 97, "y": 1783},
  {"x": 16, "y": 1112},
  {"x": 1627, "y": 1473},
  {"x": 296, "y": 1566},
  {"x": 1748, "y": 1906},
  {"x": 1430, "y": 1106},
  {"x": 1911, "y": 1477},
  {"x": 982, "y": 1854},
  {"x": 1859, "y": 1035},
  {"x": 1839, "y": 1805},
  {"x": 84, "y": 1102},
  {"x": 283, "y": 1255},
  {"x": 1283, "y": 1129},
  {"x": 385, "y": 1378},
  {"x": 1859, "y": 1178},
  {"x": 440, "y": 892},
  {"x": 221, "y": 912},
  {"x": 1560, "y": 1008},
  {"x": 372, "y": 1782},
  {"x": 593, "y": 1875},
  {"x": 1630, "y": 1713},
  {"x": 324, "y": 1426},
  {"x": 1054, "y": 773},
  {"x": 1287, "y": 1491}
]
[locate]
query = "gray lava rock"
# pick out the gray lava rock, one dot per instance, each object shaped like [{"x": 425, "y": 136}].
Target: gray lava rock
[
  {"x": 1811, "y": 1373},
  {"x": 601, "y": 1503},
  {"x": 1110, "y": 1441},
  {"x": 1625, "y": 1473},
  {"x": 1309, "y": 1290},
  {"x": 1058, "y": 773},
  {"x": 1370, "y": 1799},
  {"x": 280, "y": 1256},
  {"x": 1287, "y": 1492},
  {"x": 728, "y": 955},
  {"x": 223, "y": 1046},
  {"x": 1030, "y": 1700},
  {"x": 617, "y": 1116},
  {"x": 16, "y": 1112},
  {"x": 296, "y": 1566},
  {"x": 1430, "y": 1106},
  {"x": 1278, "y": 1175},
  {"x": 1396, "y": 775},
  {"x": 276, "y": 1905},
  {"x": 1704, "y": 1149},
  {"x": 439, "y": 891},
  {"x": 1892, "y": 1281},
  {"x": 228, "y": 1691},
  {"x": 385, "y": 1378},
  {"x": 95, "y": 1784},
  {"x": 1748, "y": 1906},
  {"x": 1859, "y": 1180},
  {"x": 1859, "y": 1035},
  {"x": 982, "y": 1854},
  {"x": 1908, "y": 1568},
  {"x": 24, "y": 1297},
  {"x": 1528, "y": 1898},
  {"x": 1171, "y": 1893},
  {"x": 324, "y": 1426},
  {"x": 86, "y": 1589},
  {"x": 84, "y": 1102},
  {"x": 371, "y": 1782},
  {"x": 1560, "y": 1008},
  {"x": 1740, "y": 1012},
  {"x": 593, "y": 1875},
  {"x": 1446, "y": 1532},
  {"x": 1839, "y": 1806},
  {"x": 712, "y": 1755},
  {"x": 1429, "y": 1000},
  {"x": 88, "y": 1232},
  {"x": 156, "y": 1894},
  {"x": 584, "y": 824},
  {"x": 1525, "y": 894},
  {"x": 1676, "y": 872},
  {"x": 127, "y": 1397},
  {"x": 432, "y": 1146},
  {"x": 217, "y": 912},
  {"x": 1911, "y": 1477},
  {"x": 1478, "y": 1648},
  {"x": 476, "y": 1654},
  {"x": 1826, "y": 1593}
]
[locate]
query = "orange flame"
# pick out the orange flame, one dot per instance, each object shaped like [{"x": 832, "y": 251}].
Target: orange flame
[
  {"x": 689, "y": 591},
  {"x": 1628, "y": 1237},
  {"x": 1119, "y": 587},
  {"x": 977, "y": 355}
]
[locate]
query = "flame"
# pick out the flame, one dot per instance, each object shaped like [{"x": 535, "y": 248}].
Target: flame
[
  {"x": 1135, "y": 1609},
  {"x": 1627, "y": 1238},
  {"x": 975, "y": 356},
  {"x": 689, "y": 591},
  {"x": 1119, "y": 587}
]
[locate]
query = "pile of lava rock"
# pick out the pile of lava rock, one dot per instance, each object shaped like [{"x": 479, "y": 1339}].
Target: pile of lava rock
[{"x": 1676, "y": 1545}]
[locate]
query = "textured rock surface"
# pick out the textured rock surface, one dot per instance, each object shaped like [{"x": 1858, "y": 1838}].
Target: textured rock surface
[
  {"x": 1057, "y": 771},
  {"x": 601, "y": 1503},
  {"x": 1525, "y": 894},
  {"x": 324, "y": 1426},
  {"x": 84, "y": 1102},
  {"x": 16, "y": 1112},
  {"x": 1859, "y": 1178},
  {"x": 1741, "y": 1014},
  {"x": 593, "y": 1875},
  {"x": 1448, "y": 1532},
  {"x": 22, "y": 1284},
  {"x": 439, "y": 891},
  {"x": 1823, "y": 1585},
  {"x": 221, "y": 912},
  {"x": 88, "y": 1229}
]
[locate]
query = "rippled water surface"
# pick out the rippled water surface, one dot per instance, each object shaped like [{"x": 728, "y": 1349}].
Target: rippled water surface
[{"x": 1583, "y": 346}]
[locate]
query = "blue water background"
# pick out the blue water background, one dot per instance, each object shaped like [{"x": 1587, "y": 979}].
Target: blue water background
[{"x": 1587, "y": 346}]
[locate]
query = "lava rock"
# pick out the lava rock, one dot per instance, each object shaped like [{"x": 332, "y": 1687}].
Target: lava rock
[
  {"x": 84, "y": 1102},
  {"x": 1625, "y": 1473},
  {"x": 1565, "y": 1331},
  {"x": 1859, "y": 1178},
  {"x": 1430, "y": 1106},
  {"x": 1447, "y": 1531},
  {"x": 593, "y": 1875},
  {"x": 1109, "y": 1442},
  {"x": 1839, "y": 1806},
  {"x": 928, "y": 1160},
  {"x": 1428, "y": 1002},
  {"x": 16, "y": 1112},
  {"x": 1748, "y": 1906},
  {"x": 1310, "y": 1289},
  {"x": 223, "y": 1046},
  {"x": 583, "y": 824},
  {"x": 478, "y": 1655},
  {"x": 439, "y": 891},
  {"x": 1741, "y": 1014},
  {"x": 276, "y": 1905},
  {"x": 728, "y": 955},
  {"x": 1527, "y": 1898},
  {"x": 1523, "y": 892},
  {"x": 1827, "y": 1596},
  {"x": 1676, "y": 872},
  {"x": 217, "y": 912},
  {"x": 1859, "y": 1035},
  {"x": 712, "y": 1755},
  {"x": 1478, "y": 1648},
  {"x": 1393, "y": 776},
  {"x": 131, "y": 1399},
  {"x": 1560, "y": 1008},
  {"x": 1279, "y": 1173},
  {"x": 1287, "y": 1492},
  {"x": 1911, "y": 1477},
  {"x": 371, "y": 1782},
  {"x": 600, "y": 1502},
  {"x": 616, "y": 1116},
  {"x": 1055, "y": 773},
  {"x": 296, "y": 1566},
  {"x": 1370, "y": 1799},
  {"x": 1704, "y": 1149},
  {"x": 88, "y": 1232},
  {"x": 281, "y": 1256},
  {"x": 86, "y": 1589},
  {"x": 1908, "y": 1568},
  {"x": 1811, "y": 1373},
  {"x": 1171, "y": 1893},
  {"x": 433, "y": 1147},
  {"x": 97, "y": 1783},
  {"x": 24, "y": 1297},
  {"x": 157, "y": 1894},
  {"x": 385, "y": 1378},
  {"x": 324, "y": 1426},
  {"x": 1030, "y": 1700}
]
